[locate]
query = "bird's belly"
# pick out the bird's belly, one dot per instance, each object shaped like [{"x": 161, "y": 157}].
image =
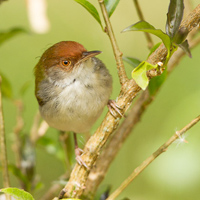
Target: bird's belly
[{"x": 75, "y": 109}]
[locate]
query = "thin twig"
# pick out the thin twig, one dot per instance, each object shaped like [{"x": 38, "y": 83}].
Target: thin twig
[
  {"x": 3, "y": 152},
  {"x": 141, "y": 17},
  {"x": 151, "y": 158},
  {"x": 118, "y": 54}
]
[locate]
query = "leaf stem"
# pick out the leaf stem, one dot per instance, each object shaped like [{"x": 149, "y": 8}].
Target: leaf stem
[
  {"x": 151, "y": 158},
  {"x": 118, "y": 54},
  {"x": 141, "y": 17}
]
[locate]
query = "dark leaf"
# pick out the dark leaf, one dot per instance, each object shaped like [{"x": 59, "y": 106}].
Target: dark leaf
[
  {"x": 174, "y": 17},
  {"x": 134, "y": 62},
  {"x": 156, "y": 82},
  {"x": 9, "y": 34},
  {"x": 6, "y": 87},
  {"x": 185, "y": 47},
  {"x": 111, "y": 6},
  {"x": 91, "y": 9},
  {"x": 146, "y": 27}
]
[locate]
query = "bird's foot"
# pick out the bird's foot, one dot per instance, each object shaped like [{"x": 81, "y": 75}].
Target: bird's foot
[
  {"x": 79, "y": 152},
  {"x": 113, "y": 105}
]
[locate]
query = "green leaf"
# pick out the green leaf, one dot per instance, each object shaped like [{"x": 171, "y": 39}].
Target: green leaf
[
  {"x": 139, "y": 74},
  {"x": 134, "y": 62},
  {"x": 146, "y": 27},
  {"x": 71, "y": 199},
  {"x": 9, "y": 34},
  {"x": 111, "y": 6},
  {"x": 156, "y": 82},
  {"x": 174, "y": 17},
  {"x": 91, "y": 9},
  {"x": 17, "y": 193},
  {"x": 185, "y": 47},
  {"x": 6, "y": 87}
]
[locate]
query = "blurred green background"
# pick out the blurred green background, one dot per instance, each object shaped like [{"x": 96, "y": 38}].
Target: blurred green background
[{"x": 175, "y": 174}]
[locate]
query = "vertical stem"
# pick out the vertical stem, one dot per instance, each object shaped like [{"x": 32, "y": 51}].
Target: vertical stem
[
  {"x": 17, "y": 129},
  {"x": 118, "y": 54},
  {"x": 3, "y": 153},
  {"x": 141, "y": 17}
]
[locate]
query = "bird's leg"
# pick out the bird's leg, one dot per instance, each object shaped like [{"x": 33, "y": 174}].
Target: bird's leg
[
  {"x": 113, "y": 105},
  {"x": 78, "y": 152}
]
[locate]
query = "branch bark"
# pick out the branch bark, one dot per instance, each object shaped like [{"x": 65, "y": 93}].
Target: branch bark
[{"x": 129, "y": 91}]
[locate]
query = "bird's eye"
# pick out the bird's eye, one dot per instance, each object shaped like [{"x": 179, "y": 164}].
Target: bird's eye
[{"x": 65, "y": 63}]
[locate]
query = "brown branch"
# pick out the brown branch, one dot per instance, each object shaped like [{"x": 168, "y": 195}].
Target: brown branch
[
  {"x": 92, "y": 149},
  {"x": 141, "y": 17},
  {"x": 118, "y": 54},
  {"x": 3, "y": 152},
  {"x": 108, "y": 154},
  {"x": 97, "y": 174},
  {"x": 151, "y": 158}
]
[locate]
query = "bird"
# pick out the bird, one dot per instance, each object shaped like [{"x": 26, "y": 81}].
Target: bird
[{"x": 72, "y": 88}]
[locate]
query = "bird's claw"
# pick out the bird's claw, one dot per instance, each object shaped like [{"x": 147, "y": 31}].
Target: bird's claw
[
  {"x": 79, "y": 152},
  {"x": 113, "y": 105}
]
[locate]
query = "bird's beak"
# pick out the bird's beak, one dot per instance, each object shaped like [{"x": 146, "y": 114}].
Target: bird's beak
[{"x": 89, "y": 54}]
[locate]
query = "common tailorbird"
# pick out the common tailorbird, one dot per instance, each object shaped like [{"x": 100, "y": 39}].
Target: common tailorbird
[{"x": 72, "y": 87}]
